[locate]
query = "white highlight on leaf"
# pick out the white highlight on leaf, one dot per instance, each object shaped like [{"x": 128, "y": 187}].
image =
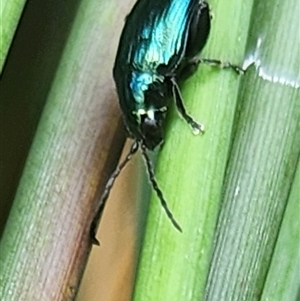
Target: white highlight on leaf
[{"x": 264, "y": 73}]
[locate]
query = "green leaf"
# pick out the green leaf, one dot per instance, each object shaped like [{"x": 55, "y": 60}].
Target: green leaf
[
  {"x": 263, "y": 158},
  {"x": 10, "y": 12},
  {"x": 78, "y": 141},
  {"x": 260, "y": 153},
  {"x": 282, "y": 281}
]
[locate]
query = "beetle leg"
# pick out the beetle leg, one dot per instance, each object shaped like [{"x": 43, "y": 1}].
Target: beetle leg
[
  {"x": 191, "y": 66},
  {"x": 223, "y": 65},
  {"x": 197, "y": 127},
  {"x": 197, "y": 35}
]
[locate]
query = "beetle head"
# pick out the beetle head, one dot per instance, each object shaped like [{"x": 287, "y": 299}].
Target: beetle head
[
  {"x": 151, "y": 126},
  {"x": 148, "y": 93}
]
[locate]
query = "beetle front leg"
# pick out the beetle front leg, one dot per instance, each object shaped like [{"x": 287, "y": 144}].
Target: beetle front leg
[{"x": 196, "y": 127}]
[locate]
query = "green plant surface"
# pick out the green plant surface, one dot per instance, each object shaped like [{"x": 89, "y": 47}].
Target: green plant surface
[
  {"x": 10, "y": 14},
  {"x": 78, "y": 142},
  {"x": 282, "y": 282},
  {"x": 241, "y": 169},
  {"x": 263, "y": 158}
]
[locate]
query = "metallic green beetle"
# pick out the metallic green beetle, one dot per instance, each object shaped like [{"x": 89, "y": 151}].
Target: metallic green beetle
[
  {"x": 159, "y": 46},
  {"x": 159, "y": 43}
]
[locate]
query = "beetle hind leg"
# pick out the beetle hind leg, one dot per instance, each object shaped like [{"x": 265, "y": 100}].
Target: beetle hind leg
[
  {"x": 198, "y": 33},
  {"x": 223, "y": 65}
]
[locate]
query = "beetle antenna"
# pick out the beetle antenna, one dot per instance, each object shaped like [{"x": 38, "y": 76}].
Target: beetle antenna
[
  {"x": 156, "y": 188},
  {"x": 107, "y": 189}
]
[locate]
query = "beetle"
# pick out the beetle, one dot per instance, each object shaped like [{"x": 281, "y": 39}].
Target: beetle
[{"x": 158, "y": 48}]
